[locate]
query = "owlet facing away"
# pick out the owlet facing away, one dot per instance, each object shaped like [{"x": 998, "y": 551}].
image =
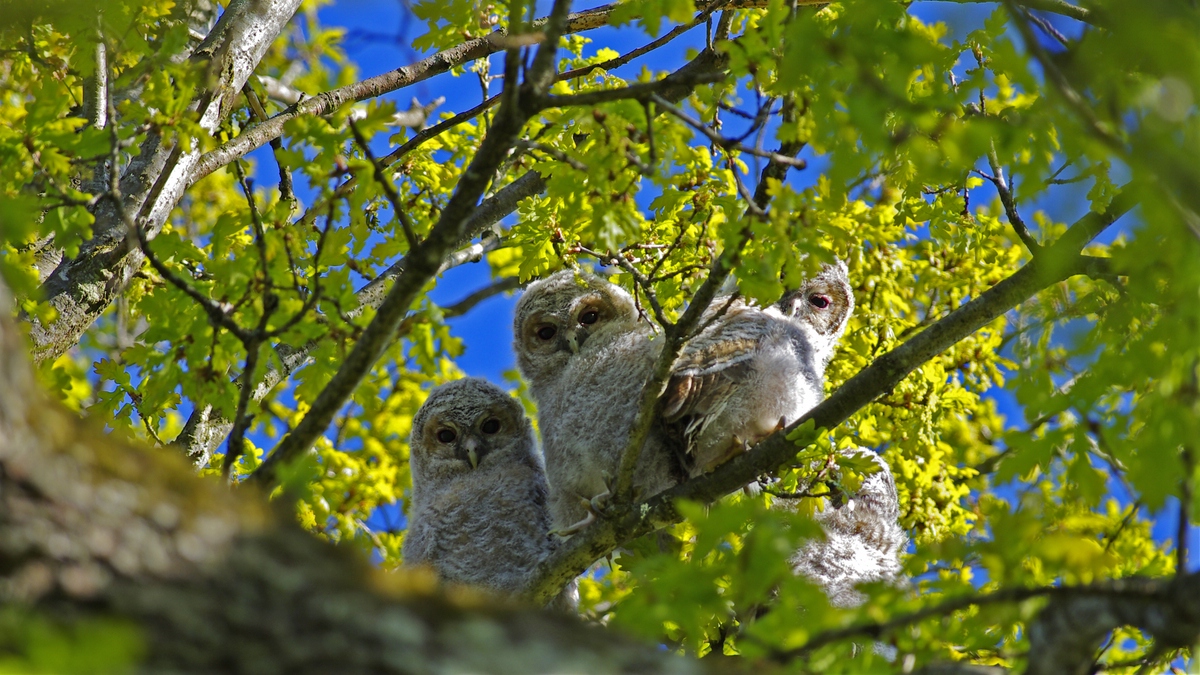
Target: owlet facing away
[
  {"x": 586, "y": 353},
  {"x": 754, "y": 370},
  {"x": 863, "y": 539},
  {"x": 478, "y": 513}
]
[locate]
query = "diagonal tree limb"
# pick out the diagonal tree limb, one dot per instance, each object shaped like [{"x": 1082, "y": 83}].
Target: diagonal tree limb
[
  {"x": 516, "y": 107},
  {"x": 1059, "y": 261}
]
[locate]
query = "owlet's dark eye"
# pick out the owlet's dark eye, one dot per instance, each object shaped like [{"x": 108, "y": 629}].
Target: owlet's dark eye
[
  {"x": 546, "y": 332},
  {"x": 446, "y": 435},
  {"x": 491, "y": 426},
  {"x": 589, "y": 317},
  {"x": 818, "y": 301}
]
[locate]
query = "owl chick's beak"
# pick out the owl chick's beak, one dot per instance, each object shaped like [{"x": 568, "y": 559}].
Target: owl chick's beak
[
  {"x": 471, "y": 447},
  {"x": 575, "y": 339}
]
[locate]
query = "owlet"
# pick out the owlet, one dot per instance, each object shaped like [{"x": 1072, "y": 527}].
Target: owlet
[
  {"x": 863, "y": 538},
  {"x": 478, "y": 513},
  {"x": 586, "y": 353},
  {"x": 754, "y": 370}
]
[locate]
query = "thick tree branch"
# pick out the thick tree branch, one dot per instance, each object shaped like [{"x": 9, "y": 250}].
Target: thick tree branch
[
  {"x": 1064, "y": 638},
  {"x": 1058, "y": 262}
]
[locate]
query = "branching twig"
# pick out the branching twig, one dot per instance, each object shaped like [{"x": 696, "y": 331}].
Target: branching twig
[
  {"x": 493, "y": 289},
  {"x": 722, "y": 142},
  {"x": 1010, "y": 207},
  {"x": 621, "y": 60},
  {"x": 553, "y": 152},
  {"x": 644, "y": 284},
  {"x": 639, "y": 91},
  {"x": 389, "y": 190},
  {"x": 286, "y": 190}
]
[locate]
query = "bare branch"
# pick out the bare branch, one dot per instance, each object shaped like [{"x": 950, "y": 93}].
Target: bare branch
[
  {"x": 641, "y": 90},
  {"x": 640, "y": 279},
  {"x": 505, "y": 285},
  {"x": 1010, "y": 207},
  {"x": 389, "y": 190},
  {"x": 722, "y": 142},
  {"x": 553, "y": 152}
]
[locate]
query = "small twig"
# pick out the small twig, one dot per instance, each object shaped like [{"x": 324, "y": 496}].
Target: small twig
[
  {"x": 468, "y": 303},
  {"x": 643, "y": 283},
  {"x": 723, "y": 142},
  {"x": 637, "y": 91},
  {"x": 1112, "y": 538},
  {"x": 256, "y": 220},
  {"x": 1185, "y": 509},
  {"x": 667, "y": 254},
  {"x": 389, "y": 190},
  {"x": 314, "y": 294},
  {"x": 429, "y": 132},
  {"x": 1048, "y": 29},
  {"x": 150, "y": 429},
  {"x": 646, "y": 107},
  {"x": 751, "y": 205},
  {"x": 553, "y": 152},
  {"x": 286, "y": 190},
  {"x": 794, "y": 495},
  {"x": 241, "y": 421},
  {"x": 1006, "y": 198}
]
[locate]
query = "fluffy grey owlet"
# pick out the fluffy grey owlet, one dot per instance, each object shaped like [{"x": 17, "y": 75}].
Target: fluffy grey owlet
[
  {"x": 863, "y": 539},
  {"x": 756, "y": 369},
  {"x": 478, "y": 512},
  {"x": 586, "y": 354}
]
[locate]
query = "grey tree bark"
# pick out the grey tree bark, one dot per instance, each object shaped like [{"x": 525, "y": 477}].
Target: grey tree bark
[{"x": 81, "y": 288}]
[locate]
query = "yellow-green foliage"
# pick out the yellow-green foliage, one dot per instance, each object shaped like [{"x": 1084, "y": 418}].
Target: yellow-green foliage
[{"x": 908, "y": 125}]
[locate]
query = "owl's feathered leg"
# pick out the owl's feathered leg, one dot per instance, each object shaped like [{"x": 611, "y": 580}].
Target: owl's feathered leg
[{"x": 594, "y": 510}]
